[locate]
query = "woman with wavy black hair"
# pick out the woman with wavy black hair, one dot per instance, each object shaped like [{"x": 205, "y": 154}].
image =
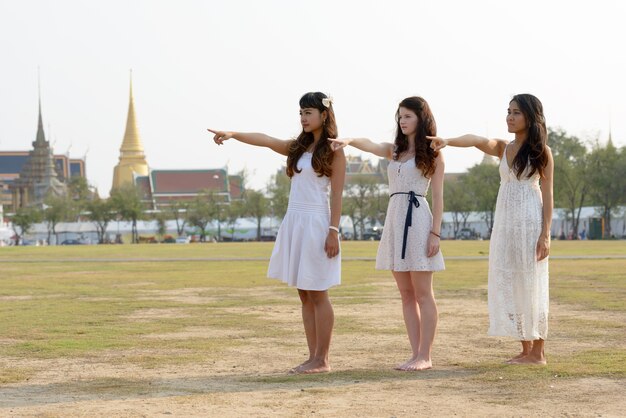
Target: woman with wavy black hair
[
  {"x": 306, "y": 252},
  {"x": 409, "y": 246},
  {"x": 520, "y": 239}
]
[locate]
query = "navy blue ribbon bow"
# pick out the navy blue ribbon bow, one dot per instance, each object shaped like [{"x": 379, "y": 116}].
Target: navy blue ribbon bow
[{"x": 409, "y": 215}]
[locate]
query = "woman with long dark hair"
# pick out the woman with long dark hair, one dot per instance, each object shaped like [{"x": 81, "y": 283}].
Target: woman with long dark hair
[
  {"x": 409, "y": 245},
  {"x": 306, "y": 252},
  {"x": 520, "y": 239}
]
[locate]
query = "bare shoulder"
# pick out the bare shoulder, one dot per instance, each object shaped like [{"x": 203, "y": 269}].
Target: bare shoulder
[{"x": 340, "y": 153}]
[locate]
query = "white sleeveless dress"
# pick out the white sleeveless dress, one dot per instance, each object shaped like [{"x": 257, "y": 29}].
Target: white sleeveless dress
[
  {"x": 518, "y": 284},
  {"x": 405, "y": 177},
  {"x": 298, "y": 258}
]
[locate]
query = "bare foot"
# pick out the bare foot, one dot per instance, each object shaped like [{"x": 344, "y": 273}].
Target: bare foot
[
  {"x": 299, "y": 367},
  {"x": 314, "y": 367},
  {"x": 417, "y": 365},
  {"x": 519, "y": 356},
  {"x": 529, "y": 359},
  {"x": 406, "y": 363}
]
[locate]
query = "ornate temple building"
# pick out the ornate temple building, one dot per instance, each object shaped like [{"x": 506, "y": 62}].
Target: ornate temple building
[
  {"x": 160, "y": 188},
  {"x": 28, "y": 177}
]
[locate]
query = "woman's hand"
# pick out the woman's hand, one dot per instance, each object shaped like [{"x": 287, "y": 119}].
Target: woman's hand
[
  {"x": 332, "y": 244},
  {"x": 432, "y": 245},
  {"x": 339, "y": 143},
  {"x": 437, "y": 143},
  {"x": 220, "y": 136},
  {"x": 543, "y": 247}
]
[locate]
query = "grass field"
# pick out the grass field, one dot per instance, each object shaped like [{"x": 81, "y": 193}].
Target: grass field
[{"x": 138, "y": 330}]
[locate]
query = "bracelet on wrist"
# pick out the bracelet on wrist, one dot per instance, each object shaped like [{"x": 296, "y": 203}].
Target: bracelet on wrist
[
  {"x": 437, "y": 235},
  {"x": 334, "y": 228}
]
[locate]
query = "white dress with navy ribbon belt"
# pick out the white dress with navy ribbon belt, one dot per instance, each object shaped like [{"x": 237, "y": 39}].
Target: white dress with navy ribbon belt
[
  {"x": 298, "y": 258},
  {"x": 518, "y": 283},
  {"x": 405, "y": 177}
]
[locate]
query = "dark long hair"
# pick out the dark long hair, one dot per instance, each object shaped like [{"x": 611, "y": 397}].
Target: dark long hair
[
  {"x": 323, "y": 153},
  {"x": 426, "y": 126},
  {"x": 532, "y": 153}
]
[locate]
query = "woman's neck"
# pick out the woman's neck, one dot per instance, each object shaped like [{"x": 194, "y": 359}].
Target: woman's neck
[
  {"x": 520, "y": 137},
  {"x": 410, "y": 144}
]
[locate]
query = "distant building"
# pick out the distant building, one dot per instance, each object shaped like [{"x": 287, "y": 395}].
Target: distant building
[
  {"x": 27, "y": 177},
  {"x": 357, "y": 166},
  {"x": 163, "y": 187},
  {"x": 160, "y": 188},
  {"x": 132, "y": 162}
]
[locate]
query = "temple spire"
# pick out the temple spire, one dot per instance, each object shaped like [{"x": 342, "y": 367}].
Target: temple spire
[
  {"x": 132, "y": 161},
  {"x": 41, "y": 136},
  {"x": 132, "y": 140}
]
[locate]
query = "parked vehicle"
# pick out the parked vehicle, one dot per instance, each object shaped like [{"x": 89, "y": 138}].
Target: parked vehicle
[
  {"x": 373, "y": 234},
  {"x": 467, "y": 234},
  {"x": 72, "y": 242}
]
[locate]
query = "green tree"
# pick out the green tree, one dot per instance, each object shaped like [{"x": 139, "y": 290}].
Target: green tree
[
  {"x": 257, "y": 206},
  {"x": 201, "y": 211},
  {"x": 23, "y": 221},
  {"x": 571, "y": 180},
  {"x": 235, "y": 210},
  {"x": 482, "y": 182},
  {"x": 278, "y": 191},
  {"x": 607, "y": 174},
  {"x": 161, "y": 220},
  {"x": 360, "y": 201},
  {"x": 127, "y": 201},
  {"x": 458, "y": 201},
  {"x": 57, "y": 209},
  {"x": 79, "y": 192},
  {"x": 101, "y": 212},
  {"x": 178, "y": 211}
]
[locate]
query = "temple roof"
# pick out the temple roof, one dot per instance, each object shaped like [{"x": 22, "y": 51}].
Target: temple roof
[{"x": 189, "y": 181}]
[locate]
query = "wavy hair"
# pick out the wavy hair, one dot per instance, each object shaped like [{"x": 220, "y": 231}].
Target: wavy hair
[
  {"x": 426, "y": 126},
  {"x": 322, "y": 154},
  {"x": 533, "y": 152}
]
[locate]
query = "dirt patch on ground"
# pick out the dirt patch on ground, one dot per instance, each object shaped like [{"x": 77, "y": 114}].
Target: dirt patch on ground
[{"x": 251, "y": 379}]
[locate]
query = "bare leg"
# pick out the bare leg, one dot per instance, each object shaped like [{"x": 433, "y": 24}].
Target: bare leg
[
  {"x": 308, "y": 319},
  {"x": 423, "y": 285},
  {"x": 410, "y": 313},
  {"x": 526, "y": 347},
  {"x": 536, "y": 355},
  {"x": 324, "y": 321}
]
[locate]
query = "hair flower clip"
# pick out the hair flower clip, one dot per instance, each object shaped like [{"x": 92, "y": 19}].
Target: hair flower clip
[{"x": 327, "y": 101}]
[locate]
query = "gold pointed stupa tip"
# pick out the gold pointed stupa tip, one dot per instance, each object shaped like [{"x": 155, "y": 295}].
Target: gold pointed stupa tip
[
  {"x": 132, "y": 140},
  {"x": 132, "y": 161}
]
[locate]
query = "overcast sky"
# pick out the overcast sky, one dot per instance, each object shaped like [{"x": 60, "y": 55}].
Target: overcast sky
[{"x": 243, "y": 65}]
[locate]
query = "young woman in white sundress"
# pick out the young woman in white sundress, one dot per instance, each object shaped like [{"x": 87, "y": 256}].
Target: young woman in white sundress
[
  {"x": 306, "y": 252},
  {"x": 409, "y": 246},
  {"x": 520, "y": 239}
]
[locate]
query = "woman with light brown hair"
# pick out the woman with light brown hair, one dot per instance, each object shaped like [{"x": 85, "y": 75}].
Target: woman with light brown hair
[{"x": 409, "y": 245}]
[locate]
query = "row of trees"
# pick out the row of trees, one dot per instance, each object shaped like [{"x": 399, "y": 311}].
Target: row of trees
[
  {"x": 584, "y": 175},
  {"x": 128, "y": 204},
  {"x": 592, "y": 175}
]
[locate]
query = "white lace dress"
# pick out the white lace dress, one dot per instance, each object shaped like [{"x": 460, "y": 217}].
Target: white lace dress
[
  {"x": 518, "y": 284},
  {"x": 298, "y": 258},
  {"x": 405, "y": 177}
]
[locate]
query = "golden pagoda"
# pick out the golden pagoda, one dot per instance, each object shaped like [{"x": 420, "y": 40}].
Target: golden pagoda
[{"x": 132, "y": 159}]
